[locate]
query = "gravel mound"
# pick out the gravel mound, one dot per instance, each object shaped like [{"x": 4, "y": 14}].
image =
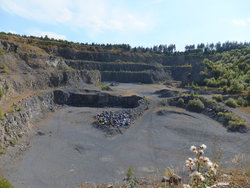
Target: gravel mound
[{"x": 116, "y": 122}]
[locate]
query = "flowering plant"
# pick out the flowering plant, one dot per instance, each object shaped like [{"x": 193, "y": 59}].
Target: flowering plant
[{"x": 202, "y": 170}]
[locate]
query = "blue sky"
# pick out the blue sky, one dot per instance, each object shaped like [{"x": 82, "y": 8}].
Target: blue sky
[{"x": 136, "y": 22}]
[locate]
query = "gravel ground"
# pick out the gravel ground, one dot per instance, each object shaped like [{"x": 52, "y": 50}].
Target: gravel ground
[{"x": 68, "y": 150}]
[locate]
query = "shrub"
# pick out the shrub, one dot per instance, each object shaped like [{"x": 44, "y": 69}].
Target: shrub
[
  {"x": 4, "y": 183},
  {"x": 218, "y": 97},
  {"x": 242, "y": 102},
  {"x": 231, "y": 103},
  {"x": 195, "y": 105},
  {"x": 1, "y": 114},
  {"x": 180, "y": 102},
  {"x": 105, "y": 87},
  {"x": 147, "y": 107},
  {"x": 2, "y": 93},
  {"x": 5, "y": 69},
  {"x": 131, "y": 180},
  {"x": 237, "y": 121}
]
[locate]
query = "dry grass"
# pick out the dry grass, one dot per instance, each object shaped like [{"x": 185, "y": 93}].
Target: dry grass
[
  {"x": 245, "y": 109},
  {"x": 235, "y": 178}
]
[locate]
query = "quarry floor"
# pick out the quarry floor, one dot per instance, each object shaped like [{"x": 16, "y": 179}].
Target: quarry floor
[{"x": 66, "y": 150}]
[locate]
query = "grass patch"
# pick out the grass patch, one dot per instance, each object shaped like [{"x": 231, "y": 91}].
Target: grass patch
[
  {"x": 195, "y": 105},
  {"x": 4, "y": 69},
  {"x": 242, "y": 101},
  {"x": 180, "y": 102},
  {"x": 147, "y": 107},
  {"x": 4, "y": 183},
  {"x": 2, "y": 151},
  {"x": 218, "y": 97},
  {"x": 233, "y": 120},
  {"x": 231, "y": 103},
  {"x": 105, "y": 87}
]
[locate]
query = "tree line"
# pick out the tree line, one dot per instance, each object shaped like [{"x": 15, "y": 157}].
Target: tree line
[{"x": 162, "y": 49}]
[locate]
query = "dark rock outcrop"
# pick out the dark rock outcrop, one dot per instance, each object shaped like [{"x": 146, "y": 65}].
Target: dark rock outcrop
[{"x": 94, "y": 99}]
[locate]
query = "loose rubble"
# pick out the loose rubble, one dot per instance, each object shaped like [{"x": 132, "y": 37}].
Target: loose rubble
[{"x": 115, "y": 121}]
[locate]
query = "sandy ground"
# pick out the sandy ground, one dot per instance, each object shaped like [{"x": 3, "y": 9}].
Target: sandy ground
[{"x": 68, "y": 150}]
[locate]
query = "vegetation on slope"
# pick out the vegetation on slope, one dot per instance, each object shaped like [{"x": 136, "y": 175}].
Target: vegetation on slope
[{"x": 231, "y": 72}]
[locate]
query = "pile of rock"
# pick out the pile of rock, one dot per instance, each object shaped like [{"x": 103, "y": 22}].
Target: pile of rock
[
  {"x": 116, "y": 122},
  {"x": 120, "y": 118}
]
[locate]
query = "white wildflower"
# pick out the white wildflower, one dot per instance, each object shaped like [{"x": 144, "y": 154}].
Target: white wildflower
[
  {"x": 197, "y": 175},
  {"x": 186, "y": 186},
  {"x": 216, "y": 165},
  {"x": 203, "y": 146},
  {"x": 190, "y": 159},
  {"x": 202, "y": 178},
  {"x": 201, "y": 152},
  {"x": 213, "y": 170},
  {"x": 209, "y": 164},
  {"x": 206, "y": 160},
  {"x": 193, "y": 148}
]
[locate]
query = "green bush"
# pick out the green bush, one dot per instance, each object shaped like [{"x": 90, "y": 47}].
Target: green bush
[
  {"x": 5, "y": 69},
  {"x": 226, "y": 115},
  {"x": 195, "y": 105},
  {"x": 147, "y": 107},
  {"x": 218, "y": 97},
  {"x": 242, "y": 102},
  {"x": 105, "y": 87},
  {"x": 231, "y": 103},
  {"x": 4, "y": 183},
  {"x": 180, "y": 102},
  {"x": 237, "y": 121}
]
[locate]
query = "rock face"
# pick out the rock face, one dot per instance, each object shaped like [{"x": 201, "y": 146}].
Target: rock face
[
  {"x": 7, "y": 46},
  {"x": 147, "y": 77},
  {"x": 16, "y": 124},
  {"x": 167, "y": 93},
  {"x": 94, "y": 99}
]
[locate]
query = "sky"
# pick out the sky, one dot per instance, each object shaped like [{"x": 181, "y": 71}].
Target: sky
[{"x": 135, "y": 22}]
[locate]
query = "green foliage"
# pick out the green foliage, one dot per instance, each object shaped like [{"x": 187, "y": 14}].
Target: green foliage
[
  {"x": 2, "y": 151},
  {"x": 231, "y": 103},
  {"x": 2, "y": 117},
  {"x": 4, "y": 69},
  {"x": 147, "y": 107},
  {"x": 4, "y": 183},
  {"x": 132, "y": 181},
  {"x": 2, "y": 93},
  {"x": 180, "y": 102},
  {"x": 231, "y": 72},
  {"x": 104, "y": 86},
  {"x": 15, "y": 108},
  {"x": 248, "y": 95},
  {"x": 218, "y": 97},
  {"x": 232, "y": 119},
  {"x": 236, "y": 121},
  {"x": 68, "y": 69},
  {"x": 242, "y": 101},
  {"x": 195, "y": 105}
]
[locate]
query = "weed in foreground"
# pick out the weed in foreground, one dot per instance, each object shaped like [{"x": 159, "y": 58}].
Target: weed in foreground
[{"x": 202, "y": 170}]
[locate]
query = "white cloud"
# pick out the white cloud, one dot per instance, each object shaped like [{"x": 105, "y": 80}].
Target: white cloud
[
  {"x": 94, "y": 16},
  {"x": 49, "y": 34},
  {"x": 241, "y": 22}
]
